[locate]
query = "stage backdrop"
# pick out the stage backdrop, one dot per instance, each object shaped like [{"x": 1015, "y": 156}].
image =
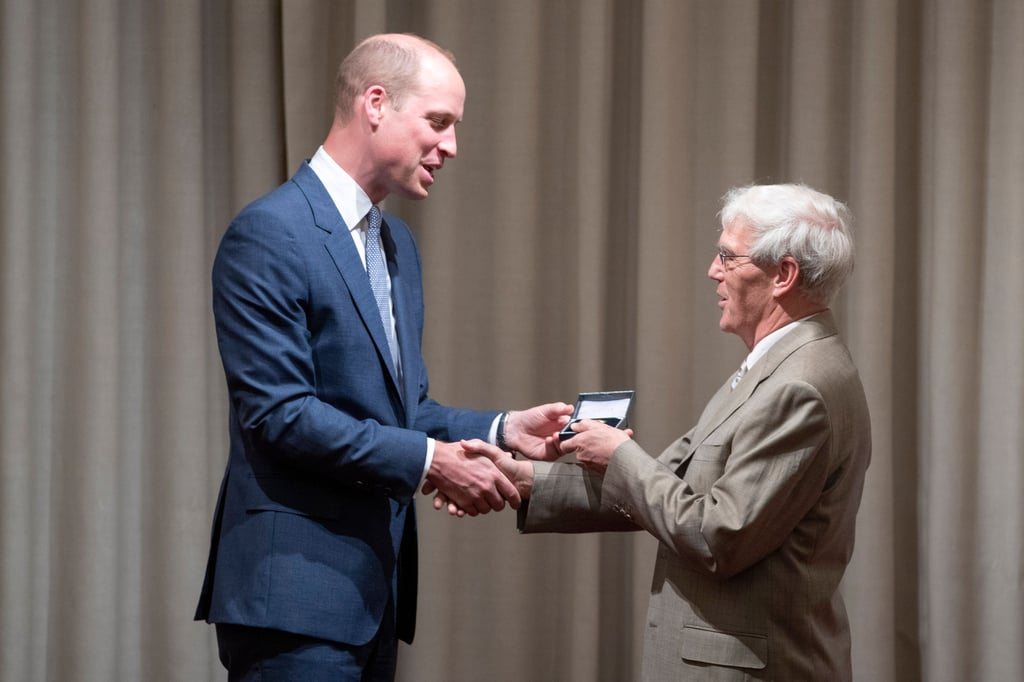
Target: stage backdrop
[{"x": 566, "y": 249}]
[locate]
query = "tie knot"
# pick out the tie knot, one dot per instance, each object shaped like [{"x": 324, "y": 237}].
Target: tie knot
[{"x": 373, "y": 220}]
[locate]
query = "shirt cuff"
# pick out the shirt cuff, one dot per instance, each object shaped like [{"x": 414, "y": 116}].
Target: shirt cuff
[
  {"x": 492, "y": 435},
  {"x": 427, "y": 462}
]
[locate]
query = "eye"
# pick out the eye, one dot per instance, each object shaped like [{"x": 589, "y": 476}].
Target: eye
[{"x": 440, "y": 122}]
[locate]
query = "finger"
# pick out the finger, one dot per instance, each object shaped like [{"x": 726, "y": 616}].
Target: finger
[
  {"x": 479, "y": 447},
  {"x": 441, "y": 501},
  {"x": 480, "y": 506},
  {"x": 554, "y": 410},
  {"x": 464, "y": 499},
  {"x": 509, "y": 493},
  {"x": 564, "y": 413}
]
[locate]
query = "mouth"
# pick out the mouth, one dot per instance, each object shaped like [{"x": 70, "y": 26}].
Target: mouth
[
  {"x": 431, "y": 169},
  {"x": 427, "y": 177}
]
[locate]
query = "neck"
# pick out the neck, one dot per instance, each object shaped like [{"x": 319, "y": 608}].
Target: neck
[
  {"x": 782, "y": 315},
  {"x": 348, "y": 149}
]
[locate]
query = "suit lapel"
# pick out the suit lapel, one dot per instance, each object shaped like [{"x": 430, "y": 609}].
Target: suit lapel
[
  {"x": 726, "y": 401},
  {"x": 346, "y": 258},
  {"x": 721, "y": 405},
  {"x": 343, "y": 252},
  {"x": 404, "y": 324}
]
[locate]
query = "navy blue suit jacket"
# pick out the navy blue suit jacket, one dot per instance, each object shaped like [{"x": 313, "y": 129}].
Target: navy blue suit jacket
[{"x": 315, "y": 525}]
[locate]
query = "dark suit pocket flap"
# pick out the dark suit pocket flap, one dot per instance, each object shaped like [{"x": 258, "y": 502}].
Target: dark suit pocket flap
[{"x": 724, "y": 648}]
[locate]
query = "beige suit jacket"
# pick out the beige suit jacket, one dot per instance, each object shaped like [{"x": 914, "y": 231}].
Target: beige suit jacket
[{"x": 754, "y": 509}]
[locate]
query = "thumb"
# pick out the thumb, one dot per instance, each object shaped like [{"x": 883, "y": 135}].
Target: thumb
[{"x": 479, "y": 447}]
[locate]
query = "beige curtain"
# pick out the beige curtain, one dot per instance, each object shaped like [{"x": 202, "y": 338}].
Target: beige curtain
[{"x": 565, "y": 249}]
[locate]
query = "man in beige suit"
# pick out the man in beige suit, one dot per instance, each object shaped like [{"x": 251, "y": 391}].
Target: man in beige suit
[{"x": 755, "y": 507}]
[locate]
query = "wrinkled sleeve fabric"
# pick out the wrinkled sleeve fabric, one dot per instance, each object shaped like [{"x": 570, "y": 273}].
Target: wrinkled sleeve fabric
[{"x": 740, "y": 495}]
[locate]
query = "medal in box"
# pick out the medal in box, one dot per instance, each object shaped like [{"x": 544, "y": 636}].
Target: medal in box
[{"x": 610, "y": 407}]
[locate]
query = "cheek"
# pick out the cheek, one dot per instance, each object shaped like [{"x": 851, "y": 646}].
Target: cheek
[{"x": 737, "y": 296}]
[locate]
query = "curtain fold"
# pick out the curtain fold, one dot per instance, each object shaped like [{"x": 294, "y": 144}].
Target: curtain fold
[{"x": 565, "y": 249}]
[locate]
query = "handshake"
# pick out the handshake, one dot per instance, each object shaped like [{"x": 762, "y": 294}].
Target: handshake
[{"x": 474, "y": 477}]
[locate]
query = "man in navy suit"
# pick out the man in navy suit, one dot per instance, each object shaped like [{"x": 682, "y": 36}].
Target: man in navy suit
[{"x": 312, "y": 568}]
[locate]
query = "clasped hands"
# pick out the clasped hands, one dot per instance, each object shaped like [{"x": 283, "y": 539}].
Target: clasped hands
[{"x": 474, "y": 477}]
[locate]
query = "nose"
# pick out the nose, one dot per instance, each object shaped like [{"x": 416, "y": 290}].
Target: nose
[
  {"x": 715, "y": 270},
  {"x": 448, "y": 146}
]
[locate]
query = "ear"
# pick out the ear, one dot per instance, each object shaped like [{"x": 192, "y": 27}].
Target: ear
[
  {"x": 786, "y": 277},
  {"x": 374, "y": 100}
]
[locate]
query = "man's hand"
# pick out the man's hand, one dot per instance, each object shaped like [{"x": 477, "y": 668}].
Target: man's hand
[
  {"x": 594, "y": 444},
  {"x": 471, "y": 482},
  {"x": 520, "y": 473},
  {"x": 534, "y": 432}
]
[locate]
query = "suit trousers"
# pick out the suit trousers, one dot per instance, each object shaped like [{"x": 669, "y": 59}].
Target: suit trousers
[{"x": 263, "y": 655}]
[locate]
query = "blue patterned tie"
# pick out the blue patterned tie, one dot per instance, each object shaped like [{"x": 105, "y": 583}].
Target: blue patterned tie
[{"x": 378, "y": 272}]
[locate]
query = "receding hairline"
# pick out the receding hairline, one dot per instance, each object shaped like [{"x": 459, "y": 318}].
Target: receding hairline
[
  {"x": 386, "y": 59},
  {"x": 411, "y": 40}
]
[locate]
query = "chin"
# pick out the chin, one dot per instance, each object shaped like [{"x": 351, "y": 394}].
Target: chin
[{"x": 413, "y": 193}]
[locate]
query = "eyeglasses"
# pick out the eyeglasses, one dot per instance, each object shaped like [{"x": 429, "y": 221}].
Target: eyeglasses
[{"x": 725, "y": 256}]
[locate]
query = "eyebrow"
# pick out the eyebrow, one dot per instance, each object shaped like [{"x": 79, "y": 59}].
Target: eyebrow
[{"x": 443, "y": 117}]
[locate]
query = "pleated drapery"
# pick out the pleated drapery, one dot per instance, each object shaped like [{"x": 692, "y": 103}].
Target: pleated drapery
[{"x": 565, "y": 249}]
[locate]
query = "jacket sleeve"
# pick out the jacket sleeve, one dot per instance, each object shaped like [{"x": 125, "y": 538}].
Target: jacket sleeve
[{"x": 744, "y": 489}]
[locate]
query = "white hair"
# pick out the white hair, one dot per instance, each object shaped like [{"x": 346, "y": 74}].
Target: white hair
[{"x": 798, "y": 221}]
